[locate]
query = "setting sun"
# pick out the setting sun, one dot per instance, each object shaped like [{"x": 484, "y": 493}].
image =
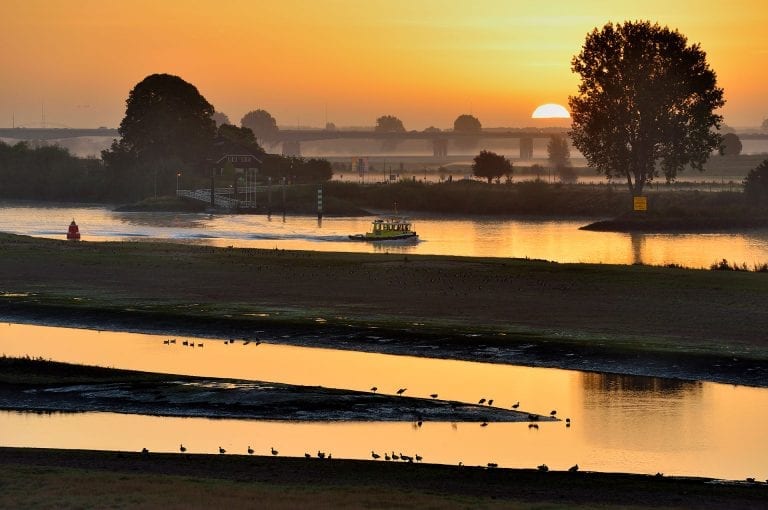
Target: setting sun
[{"x": 550, "y": 111}]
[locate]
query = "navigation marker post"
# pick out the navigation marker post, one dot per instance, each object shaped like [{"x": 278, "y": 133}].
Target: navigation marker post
[{"x": 320, "y": 203}]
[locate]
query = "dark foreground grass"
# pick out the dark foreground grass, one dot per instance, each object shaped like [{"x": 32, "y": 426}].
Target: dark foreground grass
[{"x": 38, "y": 478}]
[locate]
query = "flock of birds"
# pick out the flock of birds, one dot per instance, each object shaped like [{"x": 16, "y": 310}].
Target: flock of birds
[
  {"x": 401, "y": 456},
  {"x": 190, "y": 343},
  {"x": 375, "y": 456},
  {"x": 489, "y": 403}
]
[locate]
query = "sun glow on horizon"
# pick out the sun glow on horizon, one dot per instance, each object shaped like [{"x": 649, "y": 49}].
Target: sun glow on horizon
[
  {"x": 343, "y": 61},
  {"x": 550, "y": 111}
]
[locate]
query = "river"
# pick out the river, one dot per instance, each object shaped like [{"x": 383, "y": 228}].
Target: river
[
  {"x": 619, "y": 423},
  {"x": 548, "y": 239}
]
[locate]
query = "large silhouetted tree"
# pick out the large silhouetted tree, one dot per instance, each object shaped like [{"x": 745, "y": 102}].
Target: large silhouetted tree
[
  {"x": 489, "y": 165},
  {"x": 389, "y": 124},
  {"x": 645, "y": 103},
  {"x": 262, "y": 123},
  {"x": 165, "y": 118},
  {"x": 167, "y": 128}
]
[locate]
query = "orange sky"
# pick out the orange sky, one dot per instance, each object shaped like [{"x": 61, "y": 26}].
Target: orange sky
[{"x": 424, "y": 61}]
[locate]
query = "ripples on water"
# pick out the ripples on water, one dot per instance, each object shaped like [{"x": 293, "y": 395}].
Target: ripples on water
[
  {"x": 556, "y": 240},
  {"x": 620, "y": 423}
]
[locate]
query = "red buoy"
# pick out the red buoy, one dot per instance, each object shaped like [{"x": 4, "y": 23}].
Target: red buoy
[{"x": 73, "y": 234}]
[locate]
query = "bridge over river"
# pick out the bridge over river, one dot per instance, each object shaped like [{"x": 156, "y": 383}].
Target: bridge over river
[{"x": 290, "y": 140}]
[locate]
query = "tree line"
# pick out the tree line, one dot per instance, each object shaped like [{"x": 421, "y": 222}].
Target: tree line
[{"x": 171, "y": 136}]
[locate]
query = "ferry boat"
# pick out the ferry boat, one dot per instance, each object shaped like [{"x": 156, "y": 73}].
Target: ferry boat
[{"x": 391, "y": 228}]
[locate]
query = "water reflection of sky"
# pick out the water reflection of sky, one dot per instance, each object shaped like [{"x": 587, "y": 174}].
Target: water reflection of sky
[
  {"x": 474, "y": 237},
  {"x": 620, "y": 423}
]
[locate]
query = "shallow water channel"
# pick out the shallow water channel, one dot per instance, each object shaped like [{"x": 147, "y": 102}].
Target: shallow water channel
[
  {"x": 619, "y": 423},
  {"x": 549, "y": 239}
]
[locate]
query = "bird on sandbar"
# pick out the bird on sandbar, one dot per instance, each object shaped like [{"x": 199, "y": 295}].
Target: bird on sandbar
[
  {"x": 272, "y": 449},
  {"x": 394, "y": 456},
  {"x": 320, "y": 455},
  {"x": 387, "y": 457},
  {"x": 553, "y": 412},
  {"x": 184, "y": 343},
  {"x": 573, "y": 468},
  {"x": 481, "y": 401},
  {"x": 543, "y": 468},
  {"x": 490, "y": 402},
  {"x": 492, "y": 465},
  {"x": 222, "y": 450},
  {"x": 375, "y": 455},
  {"x": 401, "y": 391},
  {"x": 200, "y": 345},
  {"x": 144, "y": 451},
  {"x": 173, "y": 340},
  {"x": 434, "y": 395},
  {"x": 516, "y": 405},
  {"x": 418, "y": 458},
  {"x": 182, "y": 448},
  {"x": 419, "y": 423},
  {"x": 250, "y": 450},
  {"x": 307, "y": 456},
  {"x": 374, "y": 389},
  {"x": 533, "y": 426},
  {"x": 166, "y": 342},
  {"x": 484, "y": 424}
]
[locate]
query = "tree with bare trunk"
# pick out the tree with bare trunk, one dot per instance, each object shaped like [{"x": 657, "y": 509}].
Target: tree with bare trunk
[{"x": 646, "y": 103}]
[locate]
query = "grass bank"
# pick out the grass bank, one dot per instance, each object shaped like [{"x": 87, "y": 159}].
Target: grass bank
[
  {"x": 459, "y": 303},
  {"x": 41, "y": 478}
]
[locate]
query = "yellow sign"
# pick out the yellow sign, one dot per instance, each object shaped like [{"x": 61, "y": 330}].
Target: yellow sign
[{"x": 640, "y": 203}]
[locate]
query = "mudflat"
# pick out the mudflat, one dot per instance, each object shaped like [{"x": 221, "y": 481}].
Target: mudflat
[{"x": 637, "y": 315}]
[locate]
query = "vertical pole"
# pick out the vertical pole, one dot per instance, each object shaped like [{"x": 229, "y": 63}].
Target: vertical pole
[
  {"x": 283, "y": 197},
  {"x": 269, "y": 196},
  {"x": 213, "y": 186},
  {"x": 320, "y": 203}
]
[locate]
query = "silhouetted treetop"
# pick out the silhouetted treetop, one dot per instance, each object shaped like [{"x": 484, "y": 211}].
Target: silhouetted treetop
[
  {"x": 220, "y": 118},
  {"x": 241, "y": 136},
  {"x": 467, "y": 124},
  {"x": 756, "y": 184},
  {"x": 558, "y": 152},
  {"x": 489, "y": 165},
  {"x": 261, "y": 122},
  {"x": 389, "y": 124},
  {"x": 645, "y": 103},
  {"x": 166, "y": 118},
  {"x": 731, "y": 145}
]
